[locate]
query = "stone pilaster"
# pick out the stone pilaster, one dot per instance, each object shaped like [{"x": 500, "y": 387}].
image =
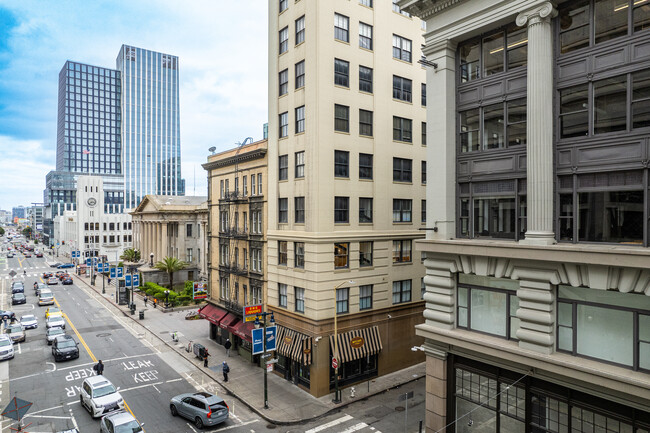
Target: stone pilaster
[
  {"x": 440, "y": 295},
  {"x": 539, "y": 130},
  {"x": 436, "y": 389}
]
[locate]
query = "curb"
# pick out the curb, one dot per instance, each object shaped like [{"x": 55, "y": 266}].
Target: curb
[{"x": 209, "y": 373}]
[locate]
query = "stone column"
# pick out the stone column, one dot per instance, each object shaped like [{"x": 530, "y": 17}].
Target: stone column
[
  {"x": 436, "y": 389},
  {"x": 539, "y": 130},
  {"x": 165, "y": 240}
]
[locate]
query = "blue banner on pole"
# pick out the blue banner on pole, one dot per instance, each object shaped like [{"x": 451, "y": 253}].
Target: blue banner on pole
[
  {"x": 258, "y": 343},
  {"x": 127, "y": 280},
  {"x": 136, "y": 280},
  {"x": 112, "y": 273},
  {"x": 89, "y": 262},
  {"x": 271, "y": 341},
  {"x": 120, "y": 272}
]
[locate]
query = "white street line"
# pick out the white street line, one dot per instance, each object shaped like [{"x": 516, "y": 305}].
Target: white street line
[
  {"x": 174, "y": 380},
  {"x": 238, "y": 425},
  {"x": 46, "y": 410},
  {"x": 74, "y": 421},
  {"x": 141, "y": 386},
  {"x": 46, "y": 416},
  {"x": 190, "y": 426},
  {"x": 156, "y": 388},
  {"x": 355, "y": 427},
  {"x": 330, "y": 424}
]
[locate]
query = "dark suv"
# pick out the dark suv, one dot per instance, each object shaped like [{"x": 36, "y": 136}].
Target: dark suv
[
  {"x": 17, "y": 287},
  {"x": 64, "y": 347}
]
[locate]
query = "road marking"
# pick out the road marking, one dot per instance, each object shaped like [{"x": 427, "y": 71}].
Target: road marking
[
  {"x": 190, "y": 426},
  {"x": 237, "y": 425},
  {"x": 330, "y": 424},
  {"x": 355, "y": 427},
  {"x": 156, "y": 388},
  {"x": 47, "y": 416},
  {"x": 174, "y": 380},
  {"x": 74, "y": 421}
]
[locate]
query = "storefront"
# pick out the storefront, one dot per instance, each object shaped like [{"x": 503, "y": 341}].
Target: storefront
[
  {"x": 213, "y": 315},
  {"x": 294, "y": 352},
  {"x": 358, "y": 355}
]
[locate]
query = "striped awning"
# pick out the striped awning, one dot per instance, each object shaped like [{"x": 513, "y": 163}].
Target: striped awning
[
  {"x": 357, "y": 344},
  {"x": 294, "y": 345}
]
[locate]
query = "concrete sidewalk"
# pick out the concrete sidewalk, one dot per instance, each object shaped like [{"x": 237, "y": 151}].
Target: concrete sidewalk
[{"x": 288, "y": 404}]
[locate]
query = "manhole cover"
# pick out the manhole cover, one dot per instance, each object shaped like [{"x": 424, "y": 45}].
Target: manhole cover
[
  {"x": 399, "y": 408},
  {"x": 104, "y": 334},
  {"x": 271, "y": 426}
]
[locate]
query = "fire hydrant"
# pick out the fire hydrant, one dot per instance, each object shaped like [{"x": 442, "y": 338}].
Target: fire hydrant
[{"x": 352, "y": 391}]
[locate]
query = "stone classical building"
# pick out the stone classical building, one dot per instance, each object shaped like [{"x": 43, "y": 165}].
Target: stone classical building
[
  {"x": 347, "y": 149},
  {"x": 172, "y": 226},
  {"x": 538, "y": 269},
  {"x": 237, "y": 203}
]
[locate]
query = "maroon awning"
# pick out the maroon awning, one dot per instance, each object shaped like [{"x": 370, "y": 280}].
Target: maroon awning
[
  {"x": 228, "y": 321},
  {"x": 243, "y": 330},
  {"x": 212, "y": 313}
]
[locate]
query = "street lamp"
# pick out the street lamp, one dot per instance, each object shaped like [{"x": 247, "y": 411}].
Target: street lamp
[
  {"x": 151, "y": 259},
  {"x": 166, "y": 298},
  {"x": 103, "y": 264},
  {"x": 337, "y": 392},
  {"x": 257, "y": 326}
]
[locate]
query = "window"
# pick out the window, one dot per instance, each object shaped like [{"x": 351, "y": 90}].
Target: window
[
  {"x": 300, "y": 164},
  {"x": 282, "y": 253},
  {"x": 574, "y": 28},
  {"x": 341, "y": 163},
  {"x": 516, "y": 122},
  {"x": 424, "y": 172},
  {"x": 300, "y": 74},
  {"x": 299, "y": 206},
  {"x": 300, "y": 299},
  {"x": 503, "y": 124},
  {"x": 402, "y": 88},
  {"x": 284, "y": 40},
  {"x": 283, "y": 211},
  {"x": 282, "y": 295},
  {"x": 402, "y": 251},
  {"x": 252, "y": 184},
  {"x": 189, "y": 230},
  {"x": 341, "y": 73},
  {"x": 402, "y": 48},
  {"x": 424, "y": 133},
  {"x": 284, "y": 124},
  {"x": 300, "y": 30},
  {"x": 399, "y": 10},
  {"x": 365, "y": 123},
  {"x": 365, "y": 166},
  {"x": 365, "y": 79},
  {"x": 493, "y": 54},
  {"x": 283, "y": 167},
  {"x": 610, "y": 104},
  {"x": 341, "y": 118},
  {"x": 641, "y": 98},
  {"x": 401, "y": 291},
  {"x": 259, "y": 183},
  {"x": 283, "y": 5},
  {"x": 402, "y": 170},
  {"x": 299, "y": 254},
  {"x": 365, "y": 210},
  {"x": 401, "y": 210},
  {"x": 284, "y": 82},
  {"x": 365, "y": 297},
  {"x": 256, "y": 260},
  {"x": 495, "y": 217},
  {"x": 341, "y": 255},
  {"x": 189, "y": 255},
  {"x": 367, "y": 3},
  {"x": 300, "y": 119},
  {"x": 402, "y": 129},
  {"x": 365, "y": 254},
  {"x": 341, "y": 28},
  {"x": 341, "y": 209},
  {"x": 423, "y": 93},
  {"x": 342, "y": 300},
  {"x": 365, "y": 36},
  {"x": 424, "y": 211},
  {"x": 488, "y": 310}
]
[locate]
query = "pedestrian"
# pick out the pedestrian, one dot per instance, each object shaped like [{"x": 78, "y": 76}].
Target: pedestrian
[
  {"x": 145, "y": 301},
  {"x": 99, "y": 368},
  {"x": 228, "y": 345},
  {"x": 226, "y": 370},
  {"x": 109, "y": 280},
  {"x": 205, "y": 357},
  {"x": 154, "y": 302}
]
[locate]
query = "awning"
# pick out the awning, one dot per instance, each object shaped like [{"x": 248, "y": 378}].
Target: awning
[
  {"x": 294, "y": 345},
  {"x": 212, "y": 313},
  {"x": 228, "y": 321},
  {"x": 243, "y": 330},
  {"x": 357, "y": 344}
]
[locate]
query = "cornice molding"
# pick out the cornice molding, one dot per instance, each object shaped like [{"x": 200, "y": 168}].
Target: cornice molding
[
  {"x": 248, "y": 156},
  {"x": 426, "y": 8}
]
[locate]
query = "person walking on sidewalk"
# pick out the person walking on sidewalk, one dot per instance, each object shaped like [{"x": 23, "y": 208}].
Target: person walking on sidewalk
[
  {"x": 226, "y": 370},
  {"x": 145, "y": 299},
  {"x": 228, "y": 345},
  {"x": 205, "y": 357},
  {"x": 99, "y": 368}
]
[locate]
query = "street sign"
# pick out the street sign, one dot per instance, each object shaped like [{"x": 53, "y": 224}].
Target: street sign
[
  {"x": 12, "y": 273},
  {"x": 272, "y": 361},
  {"x": 406, "y": 396},
  {"x": 89, "y": 262},
  {"x": 76, "y": 254},
  {"x": 269, "y": 368},
  {"x": 252, "y": 310},
  {"x": 17, "y": 408},
  {"x": 100, "y": 267},
  {"x": 335, "y": 363},
  {"x": 265, "y": 355}
]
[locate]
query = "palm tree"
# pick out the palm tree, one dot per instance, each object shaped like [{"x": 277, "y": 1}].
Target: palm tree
[
  {"x": 131, "y": 255},
  {"x": 170, "y": 265}
]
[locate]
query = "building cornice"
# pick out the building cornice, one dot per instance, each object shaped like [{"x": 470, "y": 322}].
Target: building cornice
[
  {"x": 236, "y": 159},
  {"x": 423, "y": 9}
]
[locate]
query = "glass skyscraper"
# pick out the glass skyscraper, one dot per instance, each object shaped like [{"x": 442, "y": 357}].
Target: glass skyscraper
[{"x": 151, "y": 145}]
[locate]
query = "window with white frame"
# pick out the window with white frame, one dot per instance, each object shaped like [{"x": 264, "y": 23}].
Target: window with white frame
[
  {"x": 401, "y": 291},
  {"x": 224, "y": 292},
  {"x": 259, "y": 184},
  {"x": 367, "y": 3},
  {"x": 299, "y": 210},
  {"x": 282, "y": 295},
  {"x": 300, "y": 30},
  {"x": 300, "y": 299},
  {"x": 300, "y": 74},
  {"x": 252, "y": 184},
  {"x": 300, "y": 164},
  {"x": 283, "y": 210},
  {"x": 365, "y": 297},
  {"x": 283, "y": 82},
  {"x": 365, "y": 36},
  {"x": 223, "y": 255},
  {"x": 283, "y": 167},
  {"x": 399, "y": 10},
  {"x": 189, "y": 257},
  {"x": 402, "y": 48},
  {"x": 402, "y": 251},
  {"x": 284, "y": 124},
  {"x": 256, "y": 295},
  {"x": 300, "y": 119},
  {"x": 342, "y": 300},
  {"x": 341, "y": 28},
  {"x": 245, "y": 185},
  {"x": 284, "y": 4},
  {"x": 284, "y": 40},
  {"x": 282, "y": 253},
  {"x": 299, "y": 254}
]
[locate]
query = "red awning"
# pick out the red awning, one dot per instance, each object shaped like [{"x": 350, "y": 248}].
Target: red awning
[
  {"x": 243, "y": 330},
  {"x": 228, "y": 321},
  {"x": 212, "y": 313}
]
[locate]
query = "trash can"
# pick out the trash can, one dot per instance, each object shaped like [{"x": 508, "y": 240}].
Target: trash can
[{"x": 141, "y": 314}]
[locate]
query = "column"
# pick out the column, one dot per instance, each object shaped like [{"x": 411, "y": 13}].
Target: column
[
  {"x": 436, "y": 390},
  {"x": 165, "y": 240},
  {"x": 539, "y": 129}
]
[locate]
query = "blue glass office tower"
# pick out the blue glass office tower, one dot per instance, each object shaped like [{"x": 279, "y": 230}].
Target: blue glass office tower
[{"x": 151, "y": 144}]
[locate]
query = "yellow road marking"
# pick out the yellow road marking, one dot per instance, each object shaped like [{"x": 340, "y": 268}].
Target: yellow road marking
[
  {"x": 92, "y": 356},
  {"x": 128, "y": 408}
]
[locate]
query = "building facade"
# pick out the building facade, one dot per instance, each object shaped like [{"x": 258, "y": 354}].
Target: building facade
[
  {"x": 347, "y": 167},
  {"x": 151, "y": 143},
  {"x": 537, "y": 265},
  {"x": 237, "y": 203},
  {"x": 18, "y": 212},
  {"x": 169, "y": 226}
]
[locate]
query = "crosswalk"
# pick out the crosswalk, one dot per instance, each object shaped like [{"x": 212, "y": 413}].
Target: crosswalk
[{"x": 345, "y": 424}]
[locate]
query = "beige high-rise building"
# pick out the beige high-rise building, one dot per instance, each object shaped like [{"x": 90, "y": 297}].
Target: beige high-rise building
[{"x": 346, "y": 157}]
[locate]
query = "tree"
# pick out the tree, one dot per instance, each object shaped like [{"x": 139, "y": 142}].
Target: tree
[
  {"x": 2, "y": 231},
  {"x": 170, "y": 265},
  {"x": 131, "y": 255},
  {"x": 27, "y": 232}
]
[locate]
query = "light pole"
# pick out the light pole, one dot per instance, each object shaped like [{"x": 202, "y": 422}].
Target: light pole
[
  {"x": 257, "y": 326},
  {"x": 166, "y": 298},
  {"x": 337, "y": 393},
  {"x": 103, "y": 264},
  {"x": 151, "y": 260}
]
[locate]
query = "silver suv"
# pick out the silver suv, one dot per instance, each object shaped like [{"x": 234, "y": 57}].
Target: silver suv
[
  {"x": 99, "y": 396},
  {"x": 202, "y": 408}
]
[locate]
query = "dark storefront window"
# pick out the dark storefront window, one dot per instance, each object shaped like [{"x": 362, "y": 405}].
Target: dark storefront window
[{"x": 355, "y": 371}]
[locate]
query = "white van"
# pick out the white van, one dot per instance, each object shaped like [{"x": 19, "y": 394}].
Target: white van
[{"x": 46, "y": 297}]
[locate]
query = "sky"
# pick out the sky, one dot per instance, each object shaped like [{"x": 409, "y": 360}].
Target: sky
[{"x": 222, "y": 50}]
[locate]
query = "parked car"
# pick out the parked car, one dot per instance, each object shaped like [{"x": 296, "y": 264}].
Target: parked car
[
  {"x": 66, "y": 265},
  {"x": 99, "y": 396},
  {"x": 55, "y": 322},
  {"x": 17, "y": 287},
  {"x": 67, "y": 281},
  {"x": 65, "y": 347},
  {"x": 52, "y": 280},
  {"x": 52, "y": 333},
  {"x": 29, "y": 321},
  {"x": 53, "y": 312},
  {"x": 46, "y": 297},
  {"x": 55, "y": 265},
  {"x": 18, "y": 298},
  {"x": 120, "y": 422},
  {"x": 6, "y": 347},
  {"x": 9, "y": 315},
  {"x": 203, "y": 408},
  {"x": 16, "y": 332}
]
